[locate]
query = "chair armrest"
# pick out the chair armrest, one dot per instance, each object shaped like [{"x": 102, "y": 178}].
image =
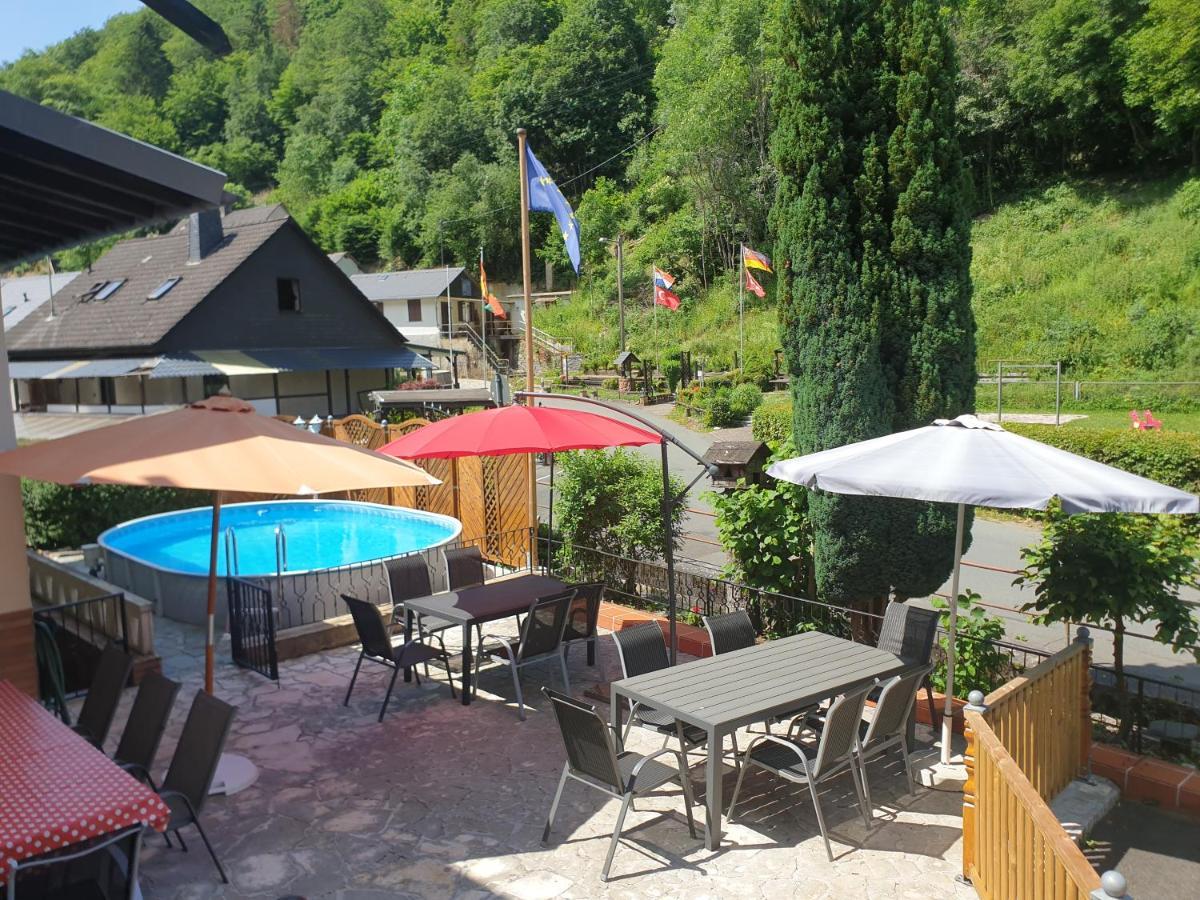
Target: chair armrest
[
  {"x": 649, "y": 756},
  {"x": 507, "y": 642},
  {"x": 775, "y": 739}
]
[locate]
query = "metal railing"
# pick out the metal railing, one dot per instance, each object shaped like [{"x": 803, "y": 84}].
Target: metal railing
[
  {"x": 80, "y": 630},
  {"x": 252, "y": 626},
  {"x": 467, "y": 330}
]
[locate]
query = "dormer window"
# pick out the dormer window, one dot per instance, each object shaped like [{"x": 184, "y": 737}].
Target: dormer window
[{"x": 161, "y": 291}]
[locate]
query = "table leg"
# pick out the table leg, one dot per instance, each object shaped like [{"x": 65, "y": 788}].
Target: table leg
[
  {"x": 408, "y": 630},
  {"x": 614, "y": 717},
  {"x": 712, "y": 791},
  {"x": 466, "y": 664}
]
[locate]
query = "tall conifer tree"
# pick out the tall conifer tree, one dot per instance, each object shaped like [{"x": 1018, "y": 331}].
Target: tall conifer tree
[{"x": 872, "y": 240}]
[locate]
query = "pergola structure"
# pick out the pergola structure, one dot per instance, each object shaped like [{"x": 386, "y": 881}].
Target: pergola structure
[{"x": 64, "y": 181}]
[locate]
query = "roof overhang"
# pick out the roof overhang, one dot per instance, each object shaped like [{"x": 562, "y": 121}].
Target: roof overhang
[{"x": 64, "y": 181}]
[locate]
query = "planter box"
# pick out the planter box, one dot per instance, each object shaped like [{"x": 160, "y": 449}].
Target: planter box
[
  {"x": 1157, "y": 781},
  {"x": 693, "y": 640},
  {"x": 939, "y": 703}
]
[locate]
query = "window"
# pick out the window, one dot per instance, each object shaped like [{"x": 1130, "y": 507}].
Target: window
[
  {"x": 109, "y": 288},
  {"x": 101, "y": 290},
  {"x": 161, "y": 291},
  {"x": 414, "y": 310},
  {"x": 287, "y": 290},
  {"x": 465, "y": 287}
]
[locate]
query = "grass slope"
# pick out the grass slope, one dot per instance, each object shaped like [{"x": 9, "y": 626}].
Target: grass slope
[{"x": 1104, "y": 276}]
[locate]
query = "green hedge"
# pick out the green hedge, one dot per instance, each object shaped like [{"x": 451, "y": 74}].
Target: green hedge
[
  {"x": 1172, "y": 457},
  {"x": 771, "y": 422},
  {"x": 59, "y": 515}
]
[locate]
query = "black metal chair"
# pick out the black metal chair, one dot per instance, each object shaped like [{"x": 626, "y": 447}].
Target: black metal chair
[
  {"x": 464, "y": 566},
  {"x": 888, "y": 728},
  {"x": 377, "y": 647},
  {"x": 145, "y": 726},
  {"x": 189, "y": 777},
  {"x": 540, "y": 641},
  {"x": 800, "y": 761},
  {"x": 730, "y": 631},
  {"x": 643, "y": 649},
  {"x": 909, "y": 632},
  {"x": 593, "y": 760},
  {"x": 582, "y": 616},
  {"x": 408, "y": 578},
  {"x": 104, "y": 694},
  {"x": 107, "y": 868}
]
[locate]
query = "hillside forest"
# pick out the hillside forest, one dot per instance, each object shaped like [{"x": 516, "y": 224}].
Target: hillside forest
[{"x": 387, "y": 128}]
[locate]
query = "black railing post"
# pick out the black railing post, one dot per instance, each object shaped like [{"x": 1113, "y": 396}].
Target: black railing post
[{"x": 668, "y": 504}]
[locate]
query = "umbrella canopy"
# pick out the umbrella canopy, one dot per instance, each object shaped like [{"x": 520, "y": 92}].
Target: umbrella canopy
[
  {"x": 518, "y": 429},
  {"x": 219, "y": 444},
  {"x": 967, "y": 460},
  {"x": 970, "y": 462}
]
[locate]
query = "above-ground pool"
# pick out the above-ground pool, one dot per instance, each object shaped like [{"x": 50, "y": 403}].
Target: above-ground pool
[{"x": 330, "y": 546}]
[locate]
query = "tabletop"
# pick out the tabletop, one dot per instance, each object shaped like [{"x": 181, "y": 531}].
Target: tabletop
[
  {"x": 57, "y": 789},
  {"x": 486, "y": 602},
  {"x": 747, "y": 685}
]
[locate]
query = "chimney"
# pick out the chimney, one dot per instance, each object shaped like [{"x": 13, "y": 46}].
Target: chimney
[{"x": 204, "y": 233}]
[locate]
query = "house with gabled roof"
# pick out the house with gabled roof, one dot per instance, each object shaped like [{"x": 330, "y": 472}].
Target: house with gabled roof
[{"x": 240, "y": 299}]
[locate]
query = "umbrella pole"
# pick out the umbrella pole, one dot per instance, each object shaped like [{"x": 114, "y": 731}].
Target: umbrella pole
[
  {"x": 668, "y": 550},
  {"x": 550, "y": 516},
  {"x": 948, "y": 710},
  {"x": 212, "y": 592}
]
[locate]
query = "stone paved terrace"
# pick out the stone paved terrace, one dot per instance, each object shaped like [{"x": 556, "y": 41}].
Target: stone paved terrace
[{"x": 449, "y": 802}]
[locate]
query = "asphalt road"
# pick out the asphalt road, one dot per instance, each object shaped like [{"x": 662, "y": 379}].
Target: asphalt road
[{"x": 989, "y": 565}]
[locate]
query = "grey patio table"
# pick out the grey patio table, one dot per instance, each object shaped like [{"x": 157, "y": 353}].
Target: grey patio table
[
  {"x": 723, "y": 693},
  {"x": 479, "y": 603}
]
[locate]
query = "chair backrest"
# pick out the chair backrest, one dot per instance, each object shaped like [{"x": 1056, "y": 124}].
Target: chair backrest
[
  {"x": 110, "y": 863},
  {"x": 641, "y": 649},
  {"x": 104, "y": 693},
  {"x": 908, "y": 631},
  {"x": 147, "y": 720},
  {"x": 464, "y": 567},
  {"x": 543, "y": 628},
  {"x": 894, "y": 705},
  {"x": 585, "y": 735},
  {"x": 199, "y": 749},
  {"x": 730, "y": 631},
  {"x": 408, "y": 577},
  {"x": 372, "y": 631},
  {"x": 841, "y": 730},
  {"x": 584, "y": 611}
]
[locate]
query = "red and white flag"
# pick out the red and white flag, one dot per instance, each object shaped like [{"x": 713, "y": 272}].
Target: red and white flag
[
  {"x": 663, "y": 297},
  {"x": 753, "y": 286}
]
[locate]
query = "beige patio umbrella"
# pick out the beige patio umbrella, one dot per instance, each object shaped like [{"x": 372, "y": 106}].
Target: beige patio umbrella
[{"x": 220, "y": 444}]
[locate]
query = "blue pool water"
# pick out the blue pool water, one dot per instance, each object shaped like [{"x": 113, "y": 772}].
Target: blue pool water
[{"x": 321, "y": 534}]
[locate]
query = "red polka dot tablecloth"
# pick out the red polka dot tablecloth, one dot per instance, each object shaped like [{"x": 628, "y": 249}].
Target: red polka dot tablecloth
[{"x": 56, "y": 788}]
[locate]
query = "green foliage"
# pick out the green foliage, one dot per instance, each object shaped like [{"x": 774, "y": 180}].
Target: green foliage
[
  {"x": 771, "y": 423},
  {"x": 719, "y": 411},
  {"x": 872, "y": 253},
  {"x": 978, "y": 663},
  {"x": 1170, "y": 457},
  {"x": 611, "y": 502},
  {"x": 672, "y": 371},
  {"x": 1110, "y": 569},
  {"x": 765, "y": 531},
  {"x": 1101, "y": 276},
  {"x": 744, "y": 399},
  {"x": 1163, "y": 69},
  {"x": 59, "y": 515}
]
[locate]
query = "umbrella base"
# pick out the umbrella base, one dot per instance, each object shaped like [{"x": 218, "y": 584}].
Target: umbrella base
[{"x": 234, "y": 773}]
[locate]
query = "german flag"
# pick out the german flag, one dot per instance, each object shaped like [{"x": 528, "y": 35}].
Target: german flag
[{"x": 752, "y": 259}]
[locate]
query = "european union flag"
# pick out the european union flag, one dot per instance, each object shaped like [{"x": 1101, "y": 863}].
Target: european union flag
[{"x": 544, "y": 196}]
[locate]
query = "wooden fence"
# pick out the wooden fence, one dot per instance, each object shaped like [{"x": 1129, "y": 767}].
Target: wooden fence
[
  {"x": 488, "y": 494},
  {"x": 1027, "y": 741}
]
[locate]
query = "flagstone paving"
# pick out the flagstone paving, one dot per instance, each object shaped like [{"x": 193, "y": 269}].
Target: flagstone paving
[{"x": 442, "y": 800}]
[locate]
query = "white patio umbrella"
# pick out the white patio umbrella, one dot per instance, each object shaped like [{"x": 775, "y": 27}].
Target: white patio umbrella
[{"x": 967, "y": 461}]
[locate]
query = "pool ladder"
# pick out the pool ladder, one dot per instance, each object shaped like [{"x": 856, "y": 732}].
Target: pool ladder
[
  {"x": 281, "y": 560},
  {"x": 231, "y": 552}
]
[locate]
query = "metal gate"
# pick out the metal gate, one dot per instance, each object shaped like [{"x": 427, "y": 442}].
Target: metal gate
[{"x": 252, "y": 627}]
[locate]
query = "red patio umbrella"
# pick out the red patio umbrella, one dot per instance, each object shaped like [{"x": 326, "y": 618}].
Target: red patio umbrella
[{"x": 518, "y": 429}]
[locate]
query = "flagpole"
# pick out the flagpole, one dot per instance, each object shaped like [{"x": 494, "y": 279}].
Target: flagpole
[
  {"x": 483, "y": 308},
  {"x": 654, "y": 312},
  {"x": 741, "y": 306},
  {"x": 526, "y": 278}
]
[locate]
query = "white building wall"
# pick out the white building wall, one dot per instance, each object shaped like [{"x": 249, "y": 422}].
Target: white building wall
[{"x": 422, "y": 332}]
